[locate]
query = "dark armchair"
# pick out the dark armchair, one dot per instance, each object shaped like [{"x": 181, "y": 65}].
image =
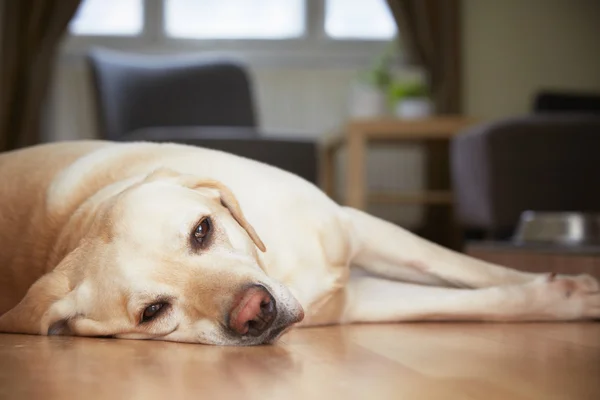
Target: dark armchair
[
  {"x": 542, "y": 162},
  {"x": 204, "y": 101}
]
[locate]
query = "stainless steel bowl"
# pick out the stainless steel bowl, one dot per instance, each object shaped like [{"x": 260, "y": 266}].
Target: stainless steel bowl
[{"x": 565, "y": 228}]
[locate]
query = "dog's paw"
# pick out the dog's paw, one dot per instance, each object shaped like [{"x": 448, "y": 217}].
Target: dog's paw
[
  {"x": 569, "y": 297},
  {"x": 570, "y": 284}
]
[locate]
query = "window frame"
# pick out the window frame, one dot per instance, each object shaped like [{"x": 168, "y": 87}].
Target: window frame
[{"x": 314, "y": 47}]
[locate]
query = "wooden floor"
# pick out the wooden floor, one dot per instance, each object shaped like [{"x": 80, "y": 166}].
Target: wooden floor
[{"x": 410, "y": 361}]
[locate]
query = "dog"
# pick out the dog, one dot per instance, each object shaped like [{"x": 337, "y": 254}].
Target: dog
[{"x": 179, "y": 243}]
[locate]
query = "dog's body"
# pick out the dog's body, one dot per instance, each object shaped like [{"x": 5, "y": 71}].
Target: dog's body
[{"x": 96, "y": 241}]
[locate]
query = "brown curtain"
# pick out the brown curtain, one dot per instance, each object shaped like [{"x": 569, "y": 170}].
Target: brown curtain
[
  {"x": 430, "y": 33},
  {"x": 31, "y": 31}
]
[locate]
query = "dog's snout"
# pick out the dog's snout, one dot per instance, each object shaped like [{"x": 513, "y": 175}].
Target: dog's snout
[{"x": 253, "y": 313}]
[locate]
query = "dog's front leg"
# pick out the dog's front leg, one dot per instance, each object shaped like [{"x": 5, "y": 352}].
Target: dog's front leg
[{"x": 548, "y": 298}]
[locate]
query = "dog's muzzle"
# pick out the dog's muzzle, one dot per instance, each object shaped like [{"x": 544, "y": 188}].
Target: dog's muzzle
[{"x": 256, "y": 317}]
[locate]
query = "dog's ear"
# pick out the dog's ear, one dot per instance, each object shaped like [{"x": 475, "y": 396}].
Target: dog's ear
[
  {"x": 43, "y": 310},
  {"x": 222, "y": 192}
]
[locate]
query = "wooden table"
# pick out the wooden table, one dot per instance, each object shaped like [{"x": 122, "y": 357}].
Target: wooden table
[
  {"x": 435, "y": 133},
  {"x": 398, "y": 361}
]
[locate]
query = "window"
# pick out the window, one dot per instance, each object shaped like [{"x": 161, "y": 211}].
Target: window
[
  {"x": 359, "y": 19},
  {"x": 108, "y": 17},
  {"x": 283, "y": 32},
  {"x": 234, "y": 19},
  {"x": 237, "y": 19}
]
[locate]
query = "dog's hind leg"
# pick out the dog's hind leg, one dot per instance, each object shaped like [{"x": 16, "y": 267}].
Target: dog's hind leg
[{"x": 390, "y": 251}]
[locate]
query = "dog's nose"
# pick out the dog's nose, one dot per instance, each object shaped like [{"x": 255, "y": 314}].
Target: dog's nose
[{"x": 253, "y": 313}]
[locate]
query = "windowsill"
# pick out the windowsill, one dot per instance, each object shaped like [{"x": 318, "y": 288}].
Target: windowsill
[{"x": 293, "y": 53}]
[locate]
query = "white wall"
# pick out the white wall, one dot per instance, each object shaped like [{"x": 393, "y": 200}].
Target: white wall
[{"x": 513, "y": 48}]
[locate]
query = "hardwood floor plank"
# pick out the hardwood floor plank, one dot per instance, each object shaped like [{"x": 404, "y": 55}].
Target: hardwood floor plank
[
  {"x": 396, "y": 361},
  {"x": 487, "y": 360}
]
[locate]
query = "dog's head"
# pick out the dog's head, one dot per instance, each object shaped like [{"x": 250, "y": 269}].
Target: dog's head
[{"x": 171, "y": 257}]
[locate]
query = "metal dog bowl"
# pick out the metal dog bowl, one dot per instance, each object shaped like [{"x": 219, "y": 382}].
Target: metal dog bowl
[{"x": 564, "y": 228}]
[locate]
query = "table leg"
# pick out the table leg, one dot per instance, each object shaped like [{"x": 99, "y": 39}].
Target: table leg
[
  {"x": 355, "y": 180},
  {"x": 328, "y": 170},
  {"x": 440, "y": 225}
]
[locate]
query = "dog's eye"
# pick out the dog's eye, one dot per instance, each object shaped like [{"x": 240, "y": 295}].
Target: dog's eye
[
  {"x": 202, "y": 230},
  {"x": 152, "y": 311}
]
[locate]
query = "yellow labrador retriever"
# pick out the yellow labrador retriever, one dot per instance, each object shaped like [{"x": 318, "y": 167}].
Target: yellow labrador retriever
[{"x": 173, "y": 242}]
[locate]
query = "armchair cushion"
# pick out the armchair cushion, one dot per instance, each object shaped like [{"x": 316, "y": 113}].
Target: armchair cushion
[{"x": 295, "y": 155}]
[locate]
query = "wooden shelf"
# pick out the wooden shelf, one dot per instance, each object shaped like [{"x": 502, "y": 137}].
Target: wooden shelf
[{"x": 426, "y": 197}]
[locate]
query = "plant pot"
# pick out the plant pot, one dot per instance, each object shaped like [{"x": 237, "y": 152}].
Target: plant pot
[
  {"x": 367, "y": 102},
  {"x": 414, "y": 108}
]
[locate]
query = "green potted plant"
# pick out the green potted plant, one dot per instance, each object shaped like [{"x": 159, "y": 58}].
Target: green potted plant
[
  {"x": 410, "y": 99},
  {"x": 368, "y": 97}
]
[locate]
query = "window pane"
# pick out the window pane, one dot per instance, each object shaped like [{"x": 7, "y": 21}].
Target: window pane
[
  {"x": 108, "y": 17},
  {"x": 234, "y": 19},
  {"x": 359, "y": 19}
]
